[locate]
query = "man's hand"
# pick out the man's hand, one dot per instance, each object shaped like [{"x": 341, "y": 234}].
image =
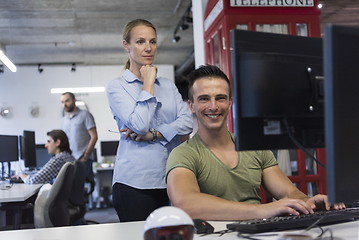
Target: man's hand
[
  {"x": 285, "y": 206},
  {"x": 20, "y": 176},
  {"x": 292, "y": 206},
  {"x": 320, "y": 202}
]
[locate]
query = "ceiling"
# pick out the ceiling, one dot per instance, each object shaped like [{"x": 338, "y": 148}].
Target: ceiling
[
  {"x": 340, "y": 12},
  {"x": 88, "y": 32}
]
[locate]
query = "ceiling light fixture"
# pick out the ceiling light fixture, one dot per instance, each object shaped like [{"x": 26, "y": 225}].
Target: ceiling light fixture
[
  {"x": 176, "y": 38},
  {"x": 39, "y": 68},
  {"x": 183, "y": 24},
  {"x": 189, "y": 19},
  {"x": 188, "y": 15},
  {"x": 5, "y": 60},
  {"x": 78, "y": 90},
  {"x": 5, "y": 111},
  {"x": 57, "y": 44},
  {"x": 80, "y": 103}
]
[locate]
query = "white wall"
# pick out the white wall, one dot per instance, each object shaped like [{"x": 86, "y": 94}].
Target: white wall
[
  {"x": 199, "y": 8},
  {"x": 27, "y": 86}
]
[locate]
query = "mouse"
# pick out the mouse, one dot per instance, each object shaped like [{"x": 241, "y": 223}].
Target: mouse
[{"x": 202, "y": 226}]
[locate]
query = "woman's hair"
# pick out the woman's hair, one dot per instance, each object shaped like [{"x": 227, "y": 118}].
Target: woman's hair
[
  {"x": 126, "y": 35},
  {"x": 205, "y": 71},
  {"x": 64, "y": 141}
]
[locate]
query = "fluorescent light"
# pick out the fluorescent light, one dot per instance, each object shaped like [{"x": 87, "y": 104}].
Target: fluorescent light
[
  {"x": 7, "y": 61},
  {"x": 77, "y": 90},
  {"x": 80, "y": 103}
]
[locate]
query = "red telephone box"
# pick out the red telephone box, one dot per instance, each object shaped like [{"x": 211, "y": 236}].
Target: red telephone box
[{"x": 295, "y": 17}]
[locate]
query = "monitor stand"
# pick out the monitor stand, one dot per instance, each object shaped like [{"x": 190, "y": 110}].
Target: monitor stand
[{"x": 3, "y": 170}]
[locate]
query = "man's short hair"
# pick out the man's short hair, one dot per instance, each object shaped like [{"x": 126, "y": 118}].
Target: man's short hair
[
  {"x": 71, "y": 95},
  {"x": 205, "y": 71}
]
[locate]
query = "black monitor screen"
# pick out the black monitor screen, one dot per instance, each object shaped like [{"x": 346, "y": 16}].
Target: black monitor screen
[
  {"x": 27, "y": 148},
  {"x": 277, "y": 91},
  {"x": 341, "y": 67},
  {"x": 109, "y": 148},
  {"x": 42, "y": 156},
  {"x": 9, "y": 148}
]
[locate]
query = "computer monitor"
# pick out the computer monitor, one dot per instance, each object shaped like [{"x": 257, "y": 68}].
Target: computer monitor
[
  {"x": 27, "y": 149},
  {"x": 109, "y": 148},
  {"x": 277, "y": 91},
  {"x": 341, "y": 68},
  {"x": 9, "y": 148},
  {"x": 42, "y": 156}
]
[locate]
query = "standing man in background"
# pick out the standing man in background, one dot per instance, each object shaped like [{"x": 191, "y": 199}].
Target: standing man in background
[{"x": 80, "y": 127}]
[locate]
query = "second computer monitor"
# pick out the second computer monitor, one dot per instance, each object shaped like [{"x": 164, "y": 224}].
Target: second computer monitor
[
  {"x": 27, "y": 149},
  {"x": 42, "y": 156},
  {"x": 9, "y": 150},
  {"x": 277, "y": 91},
  {"x": 341, "y": 53},
  {"x": 109, "y": 148}
]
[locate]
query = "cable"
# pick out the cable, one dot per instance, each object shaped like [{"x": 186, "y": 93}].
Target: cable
[
  {"x": 315, "y": 224},
  {"x": 322, "y": 232},
  {"x": 251, "y": 236},
  {"x": 245, "y": 236},
  {"x": 327, "y": 230},
  {"x": 300, "y": 146},
  {"x": 221, "y": 232}
]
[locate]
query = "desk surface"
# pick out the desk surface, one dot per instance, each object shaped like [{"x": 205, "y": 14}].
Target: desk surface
[
  {"x": 19, "y": 192},
  {"x": 99, "y": 169},
  {"x": 134, "y": 231}
]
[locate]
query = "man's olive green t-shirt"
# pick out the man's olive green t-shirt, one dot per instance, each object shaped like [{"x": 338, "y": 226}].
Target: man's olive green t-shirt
[{"x": 240, "y": 184}]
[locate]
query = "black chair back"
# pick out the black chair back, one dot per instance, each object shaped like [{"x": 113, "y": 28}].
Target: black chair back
[{"x": 77, "y": 199}]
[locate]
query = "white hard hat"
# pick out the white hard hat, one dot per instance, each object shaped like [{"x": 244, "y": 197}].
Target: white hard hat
[{"x": 168, "y": 221}]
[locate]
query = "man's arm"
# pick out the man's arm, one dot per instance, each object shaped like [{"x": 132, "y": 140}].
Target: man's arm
[
  {"x": 184, "y": 192},
  {"x": 91, "y": 145},
  {"x": 280, "y": 186}
]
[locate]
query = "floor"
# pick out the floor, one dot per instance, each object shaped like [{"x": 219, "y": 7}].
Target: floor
[{"x": 102, "y": 215}]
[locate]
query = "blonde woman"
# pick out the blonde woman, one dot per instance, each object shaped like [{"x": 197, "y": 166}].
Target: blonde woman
[{"x": 152, "y": 118}]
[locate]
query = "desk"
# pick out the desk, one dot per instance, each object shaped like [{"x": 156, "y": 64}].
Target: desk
[
  {"x": 134, "y": 231},
  {"x": 19, "y": 192},
  {"x": 103, "y": 187}
]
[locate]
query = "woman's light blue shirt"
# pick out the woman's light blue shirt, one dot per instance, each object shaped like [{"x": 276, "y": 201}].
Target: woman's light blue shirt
[{"x": 142, "y": 164}]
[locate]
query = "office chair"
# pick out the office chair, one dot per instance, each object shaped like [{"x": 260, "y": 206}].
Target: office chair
[
  {"x": 51, "y": 204},
  {"x": 90, "y": 179},
  {"x": 77, "y": 201}
]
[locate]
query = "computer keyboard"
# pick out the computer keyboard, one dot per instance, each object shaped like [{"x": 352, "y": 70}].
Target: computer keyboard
[{"x": 320, "y": 218}]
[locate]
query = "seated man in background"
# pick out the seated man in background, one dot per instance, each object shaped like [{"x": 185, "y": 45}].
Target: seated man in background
[
  {"x": 208, "y": 179},
  {"x": 57, "y": 145}
]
